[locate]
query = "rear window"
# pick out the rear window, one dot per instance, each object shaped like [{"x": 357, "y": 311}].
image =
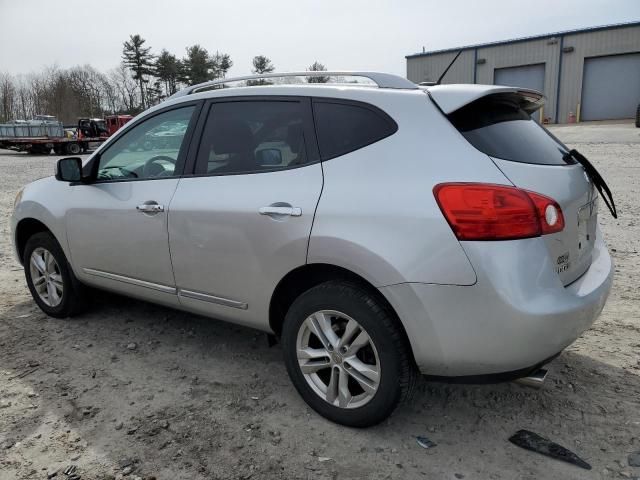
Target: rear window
[
  {"x": 344, "y": 127},
  {"x": 498, "y": 126}
]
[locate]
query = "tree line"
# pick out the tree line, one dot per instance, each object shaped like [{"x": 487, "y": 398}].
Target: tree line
[{"x": 142, "y": 79}]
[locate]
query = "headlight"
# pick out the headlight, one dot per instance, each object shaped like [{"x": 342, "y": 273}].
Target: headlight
[{"x": 18, "y": 197}]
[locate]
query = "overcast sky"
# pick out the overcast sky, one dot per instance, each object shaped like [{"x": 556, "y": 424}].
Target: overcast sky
[{"x": 347, "y": 34}]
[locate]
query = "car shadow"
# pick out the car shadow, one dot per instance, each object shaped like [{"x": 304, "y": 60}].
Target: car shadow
[{"x": 215, "y": 384}]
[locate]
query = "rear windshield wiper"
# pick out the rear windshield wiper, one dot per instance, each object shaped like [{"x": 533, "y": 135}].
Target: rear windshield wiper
[{"x": 596, "y": 178}]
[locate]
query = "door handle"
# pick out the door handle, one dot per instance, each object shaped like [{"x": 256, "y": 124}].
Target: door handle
[
  {"x": 281, "y": 211},
  {"x": 150, "y": 207}
]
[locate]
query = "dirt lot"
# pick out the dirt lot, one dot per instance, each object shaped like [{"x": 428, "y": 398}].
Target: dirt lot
[{"x": 130, "y": 386}]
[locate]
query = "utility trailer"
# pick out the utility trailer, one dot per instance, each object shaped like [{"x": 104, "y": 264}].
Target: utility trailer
[{"x": 45, "y": 133}]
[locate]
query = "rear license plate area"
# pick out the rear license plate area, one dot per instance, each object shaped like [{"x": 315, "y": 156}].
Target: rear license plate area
[{"x": 587, "y": 222}]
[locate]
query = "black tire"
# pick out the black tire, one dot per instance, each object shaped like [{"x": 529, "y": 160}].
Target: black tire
[
  {"x": 398, "y": 371},
  {"x": 73, "y": 148},
  {"x": 73, "y": 294},
  {"x": 39, "y": 150},
  {"x": 638, "y": 116}
]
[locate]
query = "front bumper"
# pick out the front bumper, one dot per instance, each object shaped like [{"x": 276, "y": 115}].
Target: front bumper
[
  {"x": 13, "y": 223},
  {"x": 516, "y": 315}
]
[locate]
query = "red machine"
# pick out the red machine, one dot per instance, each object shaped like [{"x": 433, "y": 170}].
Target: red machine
[{"x": 115, "y": 122}]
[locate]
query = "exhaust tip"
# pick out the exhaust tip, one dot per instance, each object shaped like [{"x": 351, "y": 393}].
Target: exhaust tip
[{"x": 534, "y": 380}]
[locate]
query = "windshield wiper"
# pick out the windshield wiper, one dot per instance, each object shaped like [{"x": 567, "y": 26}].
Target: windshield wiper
[{"x": 596, "y": 178}]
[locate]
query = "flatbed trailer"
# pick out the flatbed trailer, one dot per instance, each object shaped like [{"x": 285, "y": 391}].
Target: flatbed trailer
[
  {"x": 44, "y": 145},
  {"x": 45, "y": 134}
]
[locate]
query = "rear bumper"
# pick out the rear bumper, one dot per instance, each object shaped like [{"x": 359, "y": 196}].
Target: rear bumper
[{"x": 517, "y": 314}]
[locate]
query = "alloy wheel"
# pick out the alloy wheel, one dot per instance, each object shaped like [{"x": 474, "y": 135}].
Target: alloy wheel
[
  {"x": 46, "y": 277},
  {"x": 338, "y": 359}
]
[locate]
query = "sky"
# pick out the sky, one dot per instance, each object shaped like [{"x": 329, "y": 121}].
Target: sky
[{"x": 343, "y": 35}]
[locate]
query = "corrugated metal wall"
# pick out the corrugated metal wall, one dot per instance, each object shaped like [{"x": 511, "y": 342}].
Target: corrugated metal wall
[
  {"x": 527, "y": 52},
  {"x": 429, "y": 70},
  {"x": 591, "y": 44},
  {"x": 524, "y": 53}
]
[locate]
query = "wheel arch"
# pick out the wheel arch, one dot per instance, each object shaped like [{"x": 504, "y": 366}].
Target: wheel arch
[
  {"x": 301, "y": 279},
  {"x": 25, "y": 229}
]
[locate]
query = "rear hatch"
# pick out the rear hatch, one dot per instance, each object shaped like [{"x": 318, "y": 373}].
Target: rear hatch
[{"x": 500, "y": 125}]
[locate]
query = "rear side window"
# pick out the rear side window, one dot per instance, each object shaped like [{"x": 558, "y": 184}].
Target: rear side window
[
  {"x": 343, "y": 127},
  {"x": 498, "y": 126}
]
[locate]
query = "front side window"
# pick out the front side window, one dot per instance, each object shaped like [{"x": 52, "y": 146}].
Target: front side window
[
  {"x": 151, "y": 149},
  {"x": 251, "y": 137},
  {"x": 345, "y": 127}
]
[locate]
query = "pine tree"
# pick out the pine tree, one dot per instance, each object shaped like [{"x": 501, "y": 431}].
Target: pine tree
[
  {"x": 262, "y": 64},
  {"x": 167, "y": 70},
  {"x": 197, "y": 66},
  {"x": 138, "y": 59},
  {"x": 317, "y": 67},
  {"x": 223, "y": 63}
]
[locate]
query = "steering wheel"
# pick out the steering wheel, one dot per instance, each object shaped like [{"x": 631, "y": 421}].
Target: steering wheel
[{"x": 152, "y": 167}]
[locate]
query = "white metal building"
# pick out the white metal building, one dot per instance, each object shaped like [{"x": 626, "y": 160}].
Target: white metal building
[{"x": 593, "y": 73}]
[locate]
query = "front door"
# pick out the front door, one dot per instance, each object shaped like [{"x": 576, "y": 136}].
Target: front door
[
  {"x": 243, "y": 220},
  {"x": 117, "y": 228}
]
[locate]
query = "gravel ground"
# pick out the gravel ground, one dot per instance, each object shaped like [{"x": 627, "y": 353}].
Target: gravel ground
[{"x": 139, "y": 390}]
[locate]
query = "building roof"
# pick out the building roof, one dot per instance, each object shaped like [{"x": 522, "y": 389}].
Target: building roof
[{"x": 525, "y": 39}]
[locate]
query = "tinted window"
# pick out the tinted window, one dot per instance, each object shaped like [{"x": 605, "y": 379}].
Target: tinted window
[
  {"x": 342, "y": 128},
  {"x": 252, "y": 136},
  {"x": 499, "y": 127},
  {"x": 150, "y": 149}
]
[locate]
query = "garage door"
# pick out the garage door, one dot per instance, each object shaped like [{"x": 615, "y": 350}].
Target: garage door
[
  {"x": 610, "y": 87},
  {"x": 526, "y": 76}
]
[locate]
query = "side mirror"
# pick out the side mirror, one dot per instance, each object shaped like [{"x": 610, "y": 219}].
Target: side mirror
[
  {"x": 69, "y": 169},
  {"x": 269, "y": 156}
]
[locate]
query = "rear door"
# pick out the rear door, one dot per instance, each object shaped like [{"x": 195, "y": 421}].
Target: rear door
[
  {"x": 242, "y": 220},
  {"x": 533, "y": 159}
]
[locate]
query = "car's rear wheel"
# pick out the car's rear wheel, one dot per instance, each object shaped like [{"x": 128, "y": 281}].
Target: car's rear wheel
[
  {"x": 638, "y": 116},
  {"x": 346, "y": 354},
  {"x": 49, "y": 277}
]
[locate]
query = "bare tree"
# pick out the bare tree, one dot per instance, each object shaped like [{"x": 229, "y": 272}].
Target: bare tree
[
  {"x": 126, "y": 89},
  {"x": 83, "y": 91},
  {"x": 7, "y": 97}
]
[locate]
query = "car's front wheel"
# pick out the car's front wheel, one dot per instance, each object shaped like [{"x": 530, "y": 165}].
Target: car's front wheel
[
  {"x": 49, "y": 277},
  {"x": 346, "y": 354}
]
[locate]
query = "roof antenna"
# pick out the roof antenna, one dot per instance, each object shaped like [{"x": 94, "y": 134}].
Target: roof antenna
[{"x": 447, "y": 69}]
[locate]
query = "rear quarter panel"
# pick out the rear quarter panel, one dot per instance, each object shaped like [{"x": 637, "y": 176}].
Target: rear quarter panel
[{"x": 377, "y": 215}]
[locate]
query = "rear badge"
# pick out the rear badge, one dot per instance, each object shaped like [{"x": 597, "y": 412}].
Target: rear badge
[{"x": 562, "y": 263}]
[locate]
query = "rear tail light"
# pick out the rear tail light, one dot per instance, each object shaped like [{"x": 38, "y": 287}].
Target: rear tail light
[{"x": 478, "y": 211}]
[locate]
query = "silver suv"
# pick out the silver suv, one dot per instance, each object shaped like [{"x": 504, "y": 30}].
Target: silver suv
[{"x": 380, "y": 230}]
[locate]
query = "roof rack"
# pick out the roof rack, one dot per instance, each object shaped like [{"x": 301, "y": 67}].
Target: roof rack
[{"x": 383, "y": 80}]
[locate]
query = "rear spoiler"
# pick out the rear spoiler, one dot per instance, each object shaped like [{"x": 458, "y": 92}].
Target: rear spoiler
[{"x": 453, "y": 97}]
